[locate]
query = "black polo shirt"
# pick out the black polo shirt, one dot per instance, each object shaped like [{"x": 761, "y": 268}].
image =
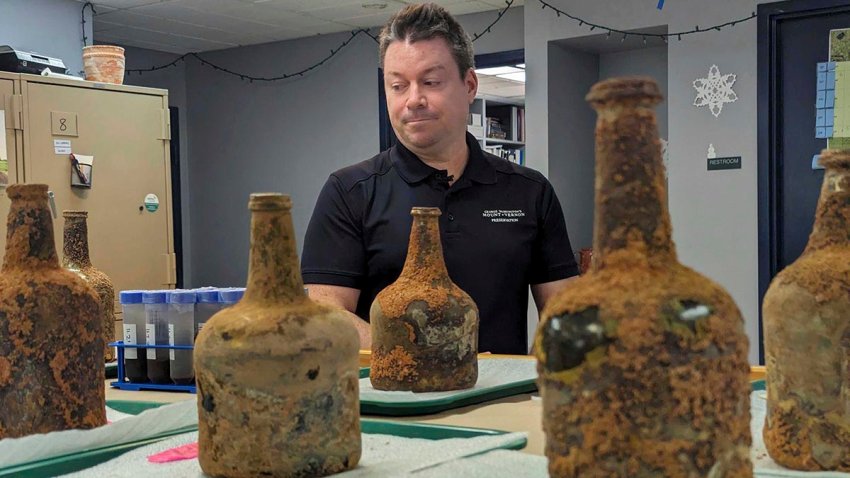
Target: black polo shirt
[{"x": 502, "y": 229}]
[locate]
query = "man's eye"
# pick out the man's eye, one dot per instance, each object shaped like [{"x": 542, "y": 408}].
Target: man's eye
[{"x": 432, "y": 83}]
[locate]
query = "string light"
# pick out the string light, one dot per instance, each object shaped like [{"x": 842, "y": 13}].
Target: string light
[
  {"x": 661, "y": 36},
  {"x": 83, "y": 19}
]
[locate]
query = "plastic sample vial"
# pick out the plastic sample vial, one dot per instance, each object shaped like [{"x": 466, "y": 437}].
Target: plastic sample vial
[
  {"x": 206, "y": 306},
  {"x": 133, "y": 319},
  {"x": 156, "y": 333},
  {"x": 181, "y": 331}
]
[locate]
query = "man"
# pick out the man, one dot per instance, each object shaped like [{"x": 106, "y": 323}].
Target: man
[{"x": 502, "y": 227}]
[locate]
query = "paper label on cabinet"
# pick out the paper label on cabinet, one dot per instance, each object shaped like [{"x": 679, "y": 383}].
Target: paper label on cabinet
[
  {"x": 130, "y": 339},
  {"x": 150, "y": 339},
  {"x": 171, "y": 340},
  {"x": 62, "y": 146}
]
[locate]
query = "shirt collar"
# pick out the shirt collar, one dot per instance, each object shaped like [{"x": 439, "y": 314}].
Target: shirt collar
[{"x": 413, "y": 170}]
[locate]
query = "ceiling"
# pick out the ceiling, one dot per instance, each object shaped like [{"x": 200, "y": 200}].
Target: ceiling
[{"x": 182, "y": 26}]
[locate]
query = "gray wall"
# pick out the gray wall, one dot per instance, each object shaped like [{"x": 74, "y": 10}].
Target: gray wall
[
  {"x": 287, "y": 136},
  {"x": 570, "y": 131},
  {"x": 572, "y": 71},
  {"x": 714, "y": 213},
  {"x": 651, "y": 62},
  {"x": 172, "y": 79},
  {"x": 49, "y": 27}
]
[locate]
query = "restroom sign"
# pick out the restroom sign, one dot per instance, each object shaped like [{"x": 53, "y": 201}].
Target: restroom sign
[{"x": 730, "y": 162}]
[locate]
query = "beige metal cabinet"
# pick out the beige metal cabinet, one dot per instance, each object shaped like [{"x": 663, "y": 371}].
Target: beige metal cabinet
[{"x": 126, "y": 130}]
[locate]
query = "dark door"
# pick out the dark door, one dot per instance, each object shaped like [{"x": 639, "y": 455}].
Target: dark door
[
  {"x": 177, "y": 218},
  {"x": 793, "y": 38}
]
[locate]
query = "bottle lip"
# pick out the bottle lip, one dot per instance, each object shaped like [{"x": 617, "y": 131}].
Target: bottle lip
[
  {"x": 181, "y": 297},
  {"x": 269, "y": 202},
  {"x": 425, "y": 211},
  {"x": 26, "y": 191},
  {"x": 72, "y": 214},
  {"x": 623, "y": 88},
  {"x": 835, "y": 158},
  {"x": 130, "y": 296}
]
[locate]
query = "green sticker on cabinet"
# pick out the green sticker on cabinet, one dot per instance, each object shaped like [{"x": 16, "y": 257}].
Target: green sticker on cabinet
[{"x": 151, "y": 202}]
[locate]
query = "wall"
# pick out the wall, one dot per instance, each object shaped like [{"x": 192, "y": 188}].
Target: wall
[
  {"x": 714, "y": 213},
  {"x": 574, "y": 66},
  {"x": 570, "y": 132},
  {"x": 172, "y": 79},
  {"x": 49, "y": 27},
  {"x": 651, "y": 62},
  {"x": 286, "y": 136}
]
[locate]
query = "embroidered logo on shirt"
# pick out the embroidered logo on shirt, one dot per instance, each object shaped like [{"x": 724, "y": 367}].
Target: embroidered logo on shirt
[{"x": 503, "y": 215}]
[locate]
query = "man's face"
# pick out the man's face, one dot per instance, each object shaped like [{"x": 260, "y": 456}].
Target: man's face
[{"x": 428, "y": 102}]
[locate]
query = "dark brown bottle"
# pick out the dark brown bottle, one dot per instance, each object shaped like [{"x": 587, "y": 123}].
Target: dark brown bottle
[
  {"x": 424, "y": 327},
  {"x": 642, "y": 362},
  {"x": 75, "y": 258},
  {"x": 277, "y": 373},
  {"x": 51, "y": 341},
  {"x": 806, "y": 314}
]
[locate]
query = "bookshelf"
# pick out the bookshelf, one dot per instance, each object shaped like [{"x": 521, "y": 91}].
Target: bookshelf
[{"x": 499, "y": 125}]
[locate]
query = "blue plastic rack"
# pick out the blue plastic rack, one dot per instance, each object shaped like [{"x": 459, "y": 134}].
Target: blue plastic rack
[{"x": 122, "y": 384}]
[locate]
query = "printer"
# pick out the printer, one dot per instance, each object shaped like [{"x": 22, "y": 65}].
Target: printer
[{"x": 18, "y": 61}]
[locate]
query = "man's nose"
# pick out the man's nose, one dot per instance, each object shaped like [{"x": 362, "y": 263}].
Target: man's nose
[{"x": 416, "y": 99}]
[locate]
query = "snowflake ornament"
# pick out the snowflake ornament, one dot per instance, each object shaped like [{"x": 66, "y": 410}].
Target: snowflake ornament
[{"x": 715, "y": 90}]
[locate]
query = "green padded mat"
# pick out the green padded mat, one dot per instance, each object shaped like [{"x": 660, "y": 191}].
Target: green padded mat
[{"x": 82, "y": 460}]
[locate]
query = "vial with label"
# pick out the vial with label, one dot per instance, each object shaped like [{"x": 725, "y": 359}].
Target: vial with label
[
  {"x": 181, "y": 331},
  {"x": 133, "y": 313},
  {"x": 207, "y": 305},
  {"x": 156, "y": 333}
]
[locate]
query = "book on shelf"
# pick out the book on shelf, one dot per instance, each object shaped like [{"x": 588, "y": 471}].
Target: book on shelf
[{"x": 506, "y": 122}]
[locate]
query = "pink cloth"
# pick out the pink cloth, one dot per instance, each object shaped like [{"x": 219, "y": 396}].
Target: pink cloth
[{"x": 183, "y": 452}]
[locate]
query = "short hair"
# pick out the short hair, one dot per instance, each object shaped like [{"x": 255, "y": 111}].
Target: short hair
[{"x": 426, "y": 21}]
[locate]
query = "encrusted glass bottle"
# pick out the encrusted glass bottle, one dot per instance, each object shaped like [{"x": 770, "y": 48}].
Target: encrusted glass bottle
[
  {"x": 806, "y": 319},
  {"x": 75, "y": 258},
  {"x": 277, "y": 373},
  {"x": 642, "y": 362},
  {"x": 424, "y": 327},
  {"x": 51, "y": 341}
]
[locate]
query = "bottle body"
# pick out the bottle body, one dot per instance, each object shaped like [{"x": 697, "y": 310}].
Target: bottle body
[
  {"x": 288, "y": 404},
  {"x": 51, "y": 363},
  {"x": 76, "y": 259},
  {"x": 424, "y": 327},
  {"x": 806, "y": 319},
  {"x": 642, "y": 362}
]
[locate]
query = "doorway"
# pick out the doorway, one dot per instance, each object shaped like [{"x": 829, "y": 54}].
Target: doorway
[{"x": 793, "y": 37}]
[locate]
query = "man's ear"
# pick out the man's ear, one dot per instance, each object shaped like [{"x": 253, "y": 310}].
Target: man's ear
[{"x": 471, "y": 82}]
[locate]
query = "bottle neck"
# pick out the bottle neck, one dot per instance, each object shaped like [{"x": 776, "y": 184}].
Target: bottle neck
[
  {"x": 425, "y": 251},
  {"x": 273, "y": 271},
  {"x": 29, "y": 234},
  {"x": 631, "y": 222},
  {"x": 75, "y": 250},
  {"x": 832, "y": 216}
]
